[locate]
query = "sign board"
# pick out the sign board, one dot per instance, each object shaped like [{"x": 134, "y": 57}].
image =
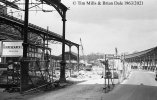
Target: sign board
[
  {"x": 111, "y": 56},
  {"x": 12, "y": 48}
]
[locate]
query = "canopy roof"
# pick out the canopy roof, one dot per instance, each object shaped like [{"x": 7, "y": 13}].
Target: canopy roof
[
  {"x": 145, "y": 54},
  {"x": 32, "y": 28}
]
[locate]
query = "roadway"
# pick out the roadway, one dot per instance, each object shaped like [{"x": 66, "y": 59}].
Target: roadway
[{"x": 140, "y": 85}]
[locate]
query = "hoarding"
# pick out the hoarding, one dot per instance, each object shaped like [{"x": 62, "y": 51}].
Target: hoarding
[{"x": 12, "y": 48}]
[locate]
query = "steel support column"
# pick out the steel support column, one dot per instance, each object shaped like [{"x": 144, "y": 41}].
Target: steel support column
[
  {"x": 63, "y": 63},
  {"x": 24, "y": 63},
  {"x": 70, "y": 60},
  {"x": 155, "y": 61},
  {"x": 144, "y": 63},
  {"x": 147, "y": 62},
  {"x": 78, "y": 59}
]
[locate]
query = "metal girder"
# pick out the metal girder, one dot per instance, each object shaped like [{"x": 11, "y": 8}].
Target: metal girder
[
  {"x": 13, "y": 32},
  {"x": 54, "y": 42},
  {"x": 35, "y": 29},
  {"x": 10, "y": 36},
  {"x": 10, "y": 30},
  {"x": 11, "y": 4},
  {"x": 61, "y": 8}
]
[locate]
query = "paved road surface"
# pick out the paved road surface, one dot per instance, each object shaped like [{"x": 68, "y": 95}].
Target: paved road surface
[
  {"x": 141, "y": 85},
  {"x": 90, "y": 90}
]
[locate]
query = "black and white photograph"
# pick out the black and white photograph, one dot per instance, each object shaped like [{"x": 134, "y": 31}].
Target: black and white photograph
[{"x": 78, "y": 50}]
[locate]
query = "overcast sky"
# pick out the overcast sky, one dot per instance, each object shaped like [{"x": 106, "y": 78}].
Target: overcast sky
[{"x": 104, "y": 27}]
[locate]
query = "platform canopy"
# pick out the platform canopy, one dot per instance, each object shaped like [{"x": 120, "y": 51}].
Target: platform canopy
[{"x": 145, "y": 55}]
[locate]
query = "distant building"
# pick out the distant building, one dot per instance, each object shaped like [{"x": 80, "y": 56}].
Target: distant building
[
  {"x": 3, "y": 9},
  {"x": 68, "y": 56}
]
